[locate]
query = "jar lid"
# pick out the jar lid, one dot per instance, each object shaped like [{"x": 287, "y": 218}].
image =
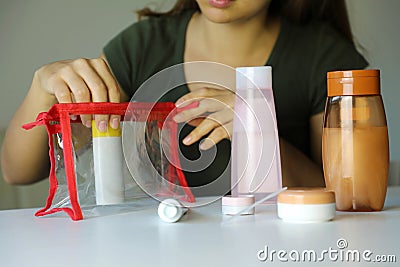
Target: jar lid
[
  {"x": 309, "y": 195},
  {"x": 239, "y": 201},
  {"x": 234, "y": 205},
  {"x": 353, "y": 82}
]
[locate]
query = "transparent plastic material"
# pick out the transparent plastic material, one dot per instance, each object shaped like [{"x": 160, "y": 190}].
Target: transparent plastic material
[
  {"x": 355, "y": 150},
  {"x": 86, "y": 181},
  {"x": 153, "y": 158},
  {"x": 256, "y": 167},
  {"x": 89, "y": 168}
]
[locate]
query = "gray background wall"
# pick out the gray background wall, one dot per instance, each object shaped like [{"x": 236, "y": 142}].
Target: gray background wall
[{"x": 35, "y": 32}]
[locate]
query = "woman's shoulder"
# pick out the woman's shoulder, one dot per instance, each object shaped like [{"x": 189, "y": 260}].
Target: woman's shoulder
[
  {"x": 166, "y": 26},
  {"x": 319, "y": 38},
  {"x": 312, "y": 31},
  {"x": 321, "y": 46}
]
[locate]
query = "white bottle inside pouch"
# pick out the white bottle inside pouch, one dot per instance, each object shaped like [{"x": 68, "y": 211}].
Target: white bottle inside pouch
[{"x": 108, "y": 160}]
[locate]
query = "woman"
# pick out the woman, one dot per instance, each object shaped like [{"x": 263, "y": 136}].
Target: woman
[{"x": 300, "y": 39}]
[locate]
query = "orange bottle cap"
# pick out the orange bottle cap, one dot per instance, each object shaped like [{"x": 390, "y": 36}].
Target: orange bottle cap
[{"x": 353, "y": 82}]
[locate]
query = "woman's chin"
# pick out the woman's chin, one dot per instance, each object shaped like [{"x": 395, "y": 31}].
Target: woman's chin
[{"x": 218, "y": 16}]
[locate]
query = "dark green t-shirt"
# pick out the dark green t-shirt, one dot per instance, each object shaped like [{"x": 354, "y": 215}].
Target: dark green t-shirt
[{"x": 300, "y": 59}]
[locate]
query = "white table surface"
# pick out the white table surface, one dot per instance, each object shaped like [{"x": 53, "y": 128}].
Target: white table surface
[{"x": 140, "y": 238}]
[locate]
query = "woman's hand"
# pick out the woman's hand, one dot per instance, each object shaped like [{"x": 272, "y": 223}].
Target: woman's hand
[
  {"x": 82, "y": 80},
  {"x": 213, "y": 115},
  {"x": 79, "y": 80}
]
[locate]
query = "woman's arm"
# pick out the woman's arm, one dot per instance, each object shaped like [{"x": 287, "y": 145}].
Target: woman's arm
[{"x": 24, "y": 154}]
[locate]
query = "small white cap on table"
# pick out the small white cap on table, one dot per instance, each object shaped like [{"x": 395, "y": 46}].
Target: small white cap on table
[{"x": 171, "y": 210}]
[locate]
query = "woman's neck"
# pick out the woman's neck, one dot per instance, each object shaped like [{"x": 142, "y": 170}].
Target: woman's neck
[{"x": 243, "y": 42}]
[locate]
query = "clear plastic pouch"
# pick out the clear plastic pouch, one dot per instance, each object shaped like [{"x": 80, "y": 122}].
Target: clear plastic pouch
[{"x": 91, "y": 170}]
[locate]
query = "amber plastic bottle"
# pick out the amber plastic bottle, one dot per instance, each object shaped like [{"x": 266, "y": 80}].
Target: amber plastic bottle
[{"x": 355, "y": 145}]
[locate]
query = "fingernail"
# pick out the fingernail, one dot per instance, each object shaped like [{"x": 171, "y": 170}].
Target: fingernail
[
  {"x": 88, "y": 124},
  {"x": 102, "y": 126},
  {"x": 115, "y": 123},
  {"x": 206, "y": 144},
  {"x": 187, "y": 140}
]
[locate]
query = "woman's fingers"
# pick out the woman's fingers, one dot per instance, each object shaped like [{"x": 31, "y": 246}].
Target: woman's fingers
[
  {"x": 62, "y": 92},
  {"x": 212, "y": 123},
  {"x": 213, "y": 116},
  {"x": 206, "y": 126},
  {"x": 217, "y": 135},
  {"x": 195, "y": 122},
  {"x": 206, "y": 105},
  {"x": 95, "y": 85},
  {"x": 199, "y": 94},
  {"x": 96, "y": 89},
  {"x": 82, "y": 80},
  {"x": 79, "y": 91},
  {"x": 113, "y": 91},
  {"x": 190, "y": 114}
]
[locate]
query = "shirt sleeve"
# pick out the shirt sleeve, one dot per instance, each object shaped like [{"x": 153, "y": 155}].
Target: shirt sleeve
[{"x": 333, "y": 52}]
